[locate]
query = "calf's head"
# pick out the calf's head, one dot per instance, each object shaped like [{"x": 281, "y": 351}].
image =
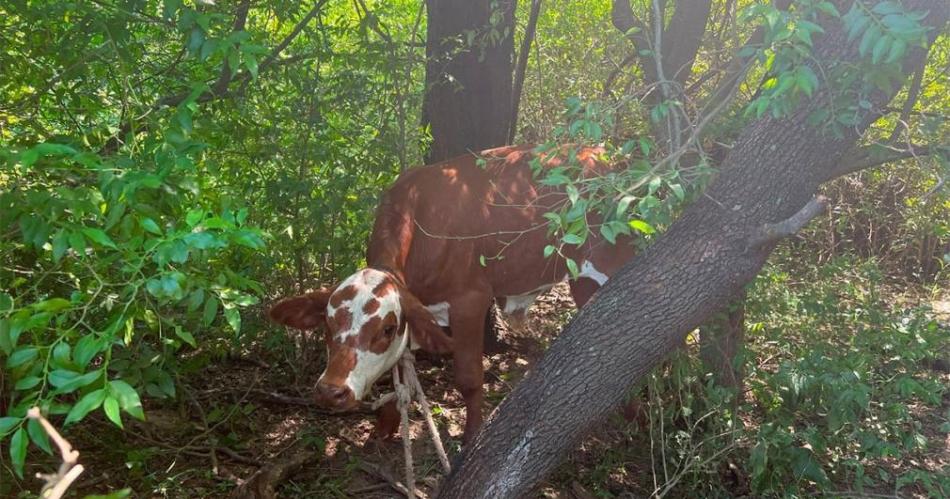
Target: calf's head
[{"x": 369, "y": 319}]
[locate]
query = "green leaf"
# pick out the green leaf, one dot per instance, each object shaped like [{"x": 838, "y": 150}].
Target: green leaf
[
  {"x": 7, "y": 424},
  {"x": 6, "y": 341},
  {"x": 118, "y": 494},
  {"x": 52, "y": 305},
  {"x": 233, "y": 316},
  {"x": 69, "y": 381},
  {"x": 869, "y": 39},
  {"x": 882, "y": 46},
  {"x": 572, "y": 239},
  {"x": 644, "y": 146},
  {"x": 193, "y": 217},
  {"x": 38, "y": 435},
  {"x": 195, "y": 299},
  {"x": 18, "y": 451},
  {"x": 88, "y": 403},
  {"x": 251, "y": 63},
  {"x": 61, "y": 354},
  {"x": 60, "y": 244},
  {"x": 608, "y": 232},
  {"x": 99, "y": 237},
  {"x": 898, "y": 48},
  {"x": 27, "y": 383},
  {"x": 641, "y": 226},
  {"x": 572, "y": 267},
  {"x": 77, "y": 243},
  {"x": 111, "y": 408},
  {"x": 549, "y": 250},
  {"x": 185, "y": 336},
  {"x": 6, "y": 302},
  {"x": 150, "y": 225},
  {"x": 829, "y": 8},
  {"x": 128, "y": 398},
  {"x": 624, "y": 204},
  {"x": 210, "y": 311},
  {"x": 86, "y": 348},
  {"x": 22, "y": 356}
]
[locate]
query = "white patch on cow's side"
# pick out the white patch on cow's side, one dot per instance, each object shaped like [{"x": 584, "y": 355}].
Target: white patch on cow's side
[
  {"x": 521, "y": 303},
  {"x": 370, "y": 366},
  {"x": 441, "y": 312},
  {"x": 365, "y": 281},
  {"x": 589, "y": 271}
]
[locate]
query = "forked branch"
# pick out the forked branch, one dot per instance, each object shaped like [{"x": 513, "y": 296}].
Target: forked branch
[
  {"x": 57, "y": 483},
  {"x": 770, "y": 233}
]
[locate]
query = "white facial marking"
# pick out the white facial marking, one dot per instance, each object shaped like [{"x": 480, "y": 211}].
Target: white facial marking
[
  {"x": 365, "y": 281},
  {"x": 441, "y": 312},
  {"x": 370, "y": 366},
  {"x": 588, "y": 271}
]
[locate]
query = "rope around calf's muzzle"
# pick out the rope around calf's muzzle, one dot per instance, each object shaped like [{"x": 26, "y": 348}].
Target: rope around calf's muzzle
[{"x": 405, "y": 391}]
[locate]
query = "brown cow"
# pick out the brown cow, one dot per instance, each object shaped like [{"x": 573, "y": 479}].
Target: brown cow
[{"x": 433, "y": 226}]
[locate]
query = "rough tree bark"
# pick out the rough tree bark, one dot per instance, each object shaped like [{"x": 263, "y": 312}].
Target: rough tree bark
[
  {"x": 720, "y": 342},
  {"x": 468, "y": 86},
  {"x": 644, "y": 311}
]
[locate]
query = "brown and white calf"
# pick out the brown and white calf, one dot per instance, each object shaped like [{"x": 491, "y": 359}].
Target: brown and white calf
[{"x": 425, "y": 271}]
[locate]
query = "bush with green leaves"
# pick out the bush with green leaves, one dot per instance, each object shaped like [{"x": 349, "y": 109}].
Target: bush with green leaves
[
  {"x": 112, "y": 269},
  {"x": 838, "y": 394}
]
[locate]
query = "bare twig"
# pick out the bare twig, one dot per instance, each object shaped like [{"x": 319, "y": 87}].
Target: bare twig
[
  {"x": 913, "y": 93},
  {"x": 263, "y": 483},
  {"x": 862, "y": 159},
  {"x": 772, "y": 232},
  {"x": 69, "y": 470}
]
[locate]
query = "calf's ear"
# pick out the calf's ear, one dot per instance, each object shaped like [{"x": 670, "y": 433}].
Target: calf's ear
[
  {"x": 307, "y": 311},
  {"x": 423, "y": 327}
]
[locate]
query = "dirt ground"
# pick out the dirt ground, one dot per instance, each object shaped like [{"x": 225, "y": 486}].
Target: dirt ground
[{"x": 236, "y": 416}]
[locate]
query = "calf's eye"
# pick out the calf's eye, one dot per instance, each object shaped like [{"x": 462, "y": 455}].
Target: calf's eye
[{"x": 390, "y": 331}]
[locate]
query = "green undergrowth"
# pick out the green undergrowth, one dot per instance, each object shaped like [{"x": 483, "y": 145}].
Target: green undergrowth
[{"x": 841, "y": 399}]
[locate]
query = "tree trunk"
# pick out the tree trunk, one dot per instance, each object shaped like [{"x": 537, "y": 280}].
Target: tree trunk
[
  {"x": 695, "y": 269},
  {"x": 468, "y": 75},
  {"x": 720, "y": 342}
]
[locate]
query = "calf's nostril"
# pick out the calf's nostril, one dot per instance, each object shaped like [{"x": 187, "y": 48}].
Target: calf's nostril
[{"x": 332, "y": 394}]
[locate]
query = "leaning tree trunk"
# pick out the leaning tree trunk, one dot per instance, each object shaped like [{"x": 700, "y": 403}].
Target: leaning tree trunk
[
  {"x": 645, "y": 310},
  {"x": 468, "y": 75}
]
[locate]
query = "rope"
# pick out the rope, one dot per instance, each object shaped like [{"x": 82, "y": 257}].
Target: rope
[{"x": 405, "y": 391}]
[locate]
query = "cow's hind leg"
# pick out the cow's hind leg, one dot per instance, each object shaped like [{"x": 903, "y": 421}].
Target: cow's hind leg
[
  {"x": 582, "y": 290},
  {"x": 467, "y": 320}
]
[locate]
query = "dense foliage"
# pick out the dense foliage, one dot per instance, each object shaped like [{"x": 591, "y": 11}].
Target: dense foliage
[{"x": 165, "y": 166}]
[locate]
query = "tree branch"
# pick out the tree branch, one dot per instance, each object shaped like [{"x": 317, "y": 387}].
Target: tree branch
[
  {"x": 913, "y": 92},
  {"x": 522, "y": 67},
  {"x": 863, "y": 158},
  {"x": 772, "y": 232}
]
